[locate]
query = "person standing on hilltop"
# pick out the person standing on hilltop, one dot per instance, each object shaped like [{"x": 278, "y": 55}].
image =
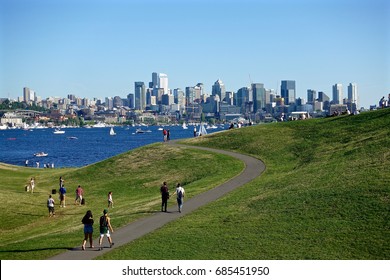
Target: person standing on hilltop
[
  {"x": 165, "y": 135},
  {"x": 32, "y": 185},
  {"x": 79, "y": 195},
  {"x": 110, "y": 200},
  {"x": 164, "y": 197},
  {"x": 62, "y": 192},
  {"x": 50, "y": 206}
]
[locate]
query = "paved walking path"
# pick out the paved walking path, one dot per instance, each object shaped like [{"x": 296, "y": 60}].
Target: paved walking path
[{"x": 124, "y": 235}]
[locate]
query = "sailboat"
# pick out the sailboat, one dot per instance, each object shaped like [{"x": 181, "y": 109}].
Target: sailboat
[
  {"x": 112, "y": 132},
  {"x": 202, "y": 130},
  {"x": 185, "y": 126}
]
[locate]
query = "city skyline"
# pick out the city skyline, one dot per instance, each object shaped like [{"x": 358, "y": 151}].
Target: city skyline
[{"x": 100, "y": 48}]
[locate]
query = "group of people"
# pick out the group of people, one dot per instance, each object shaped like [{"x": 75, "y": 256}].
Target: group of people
[
  {"x": 30, "y": 186},
  {"x": 105, "y": 227},
  {"x": 166, "y": 135},
  {"x": 179, "y": 192},
  {"x": 88, "y": 221}
]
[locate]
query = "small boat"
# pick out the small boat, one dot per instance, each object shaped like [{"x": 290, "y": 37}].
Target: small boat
[
  {"x": 59, "y": 131},
  {"x": 72, "y": 137},
  {"x": 112, "y": 132},
  {"x": 138, "y": 130},
  {"x": 41, "y": 154},
  {"x": 184, "y": 126}
]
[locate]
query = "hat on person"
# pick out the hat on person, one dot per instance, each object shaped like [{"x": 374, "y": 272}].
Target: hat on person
[{"x": 105, "y": 211}]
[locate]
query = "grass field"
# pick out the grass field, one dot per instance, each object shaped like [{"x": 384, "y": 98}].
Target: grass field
[
  {"x": 325, "y": 194},
  {"x": 134, "y": 178}
]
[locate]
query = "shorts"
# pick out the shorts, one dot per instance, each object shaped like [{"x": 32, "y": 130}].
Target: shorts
[
  {"x": 104, "y": 232},
  {"x": 88, "y": 228}
]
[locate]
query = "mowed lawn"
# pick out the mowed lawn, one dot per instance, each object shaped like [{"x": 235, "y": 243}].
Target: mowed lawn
[
  {"x": 135, "y": 177},
  {"x": 325, "y": 194}
]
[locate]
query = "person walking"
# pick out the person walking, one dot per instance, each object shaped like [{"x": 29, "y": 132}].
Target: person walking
[
  {"x": 32, "y": 185},
  {"x": 179, "y": 196},
  {"x": 50, "y": 206},
  {"x": 62, "y": 192},
  {"x": 164, "y": 197},
  {"x": 79, "y": 195},
  {"x": 88, "y": 229},
  {"x": 105, "y": 229},
  {"x": 110, "y": 200}
]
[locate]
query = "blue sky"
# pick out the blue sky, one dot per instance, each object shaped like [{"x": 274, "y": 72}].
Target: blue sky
[{"x": 100, "y": 48}]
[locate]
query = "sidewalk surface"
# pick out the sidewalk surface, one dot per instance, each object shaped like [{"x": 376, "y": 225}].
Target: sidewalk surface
[{"x": 134, "y": 230}]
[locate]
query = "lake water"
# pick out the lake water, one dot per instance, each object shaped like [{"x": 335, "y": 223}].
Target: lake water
[{"x": 79, "y": 146}]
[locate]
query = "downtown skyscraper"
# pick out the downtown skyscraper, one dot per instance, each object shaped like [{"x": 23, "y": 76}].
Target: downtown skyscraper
[{"x": 288, "y": 92}]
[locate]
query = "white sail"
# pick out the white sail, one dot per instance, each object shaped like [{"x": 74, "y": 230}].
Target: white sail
[
  {"x": 202, "y": 130},
  {"x": 112, "y": 132},
  {"x": 184, "y": 126}
]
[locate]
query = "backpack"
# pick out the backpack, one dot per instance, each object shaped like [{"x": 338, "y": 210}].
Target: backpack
[
  {"x": 103, "y": 221},
  {"x": 179, "y": 193}
]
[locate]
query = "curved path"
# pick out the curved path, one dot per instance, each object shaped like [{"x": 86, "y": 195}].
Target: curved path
[{"x": 136, "y": 229}]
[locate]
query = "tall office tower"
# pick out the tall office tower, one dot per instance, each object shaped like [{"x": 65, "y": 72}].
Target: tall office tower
[
  {"x": 288, "y": 92},
  {"x": 311, "y": 96},
  {"x": 229, "y": 98},
  {"x": 154, "y": 83},
  {"x": 28, "y": 95},
  {"x": 337, "y": 91},
  {"x": 163, "y": 82},
  {"x": 130, "y": 100},
  {"x": 190, "y": 95},
  {"x": 258, "y": 92},
  {"x": 244, "y": 97},
  {"x": 353, "y": 94},
  {"x": 322, "y": 97},
  {"x": 159, "y": 80},
  {"x": 109, "y": 103},
  {"x": 218, "y": 89},
  {"x": 140, "y": 96}
]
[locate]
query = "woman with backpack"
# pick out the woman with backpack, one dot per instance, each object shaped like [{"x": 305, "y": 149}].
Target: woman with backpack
[{"x": 179, "y": 196}]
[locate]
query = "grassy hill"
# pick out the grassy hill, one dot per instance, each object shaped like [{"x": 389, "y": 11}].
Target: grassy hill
[
  {"x": 324, "y": 195},
  {"x": 134, "y": 177}
]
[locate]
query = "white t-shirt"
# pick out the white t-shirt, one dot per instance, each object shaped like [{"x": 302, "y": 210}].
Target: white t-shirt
[{"x": 180, "y": 189}]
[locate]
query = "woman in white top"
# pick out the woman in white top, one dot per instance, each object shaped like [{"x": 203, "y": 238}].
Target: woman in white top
[{"x": 179, "y": 196}]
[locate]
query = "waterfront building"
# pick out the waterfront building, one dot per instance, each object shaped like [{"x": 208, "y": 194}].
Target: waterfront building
[{"x": 288, "y": 91}]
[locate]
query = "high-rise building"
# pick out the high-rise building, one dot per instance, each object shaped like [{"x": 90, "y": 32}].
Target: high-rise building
[
  {"x": 311, "y": 96},
  {"x": 163, "y": 82},
  {"x": 353, "y": 94},
  {"x": 288, "y": 92},
  {"x": 244, "y": 98},
  {"x": 258, "y": 92},
  {"x": 28, "y": 95},
  {"x": 140, "y": 96},
  {"x": 337, "y": 91},
  {"x": 218, "y": 89}
]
